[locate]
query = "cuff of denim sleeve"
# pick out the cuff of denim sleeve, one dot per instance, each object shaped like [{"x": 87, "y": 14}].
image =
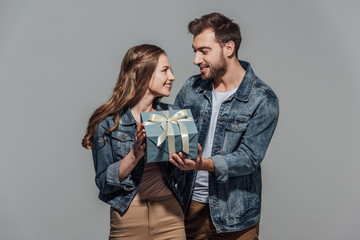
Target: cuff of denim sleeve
[
  {"x": 221, "y": 168},
  {"x": 112, "y": 174}
]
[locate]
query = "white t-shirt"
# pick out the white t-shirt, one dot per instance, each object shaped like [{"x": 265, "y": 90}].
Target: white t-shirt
[{"x": 201, "y": 189}]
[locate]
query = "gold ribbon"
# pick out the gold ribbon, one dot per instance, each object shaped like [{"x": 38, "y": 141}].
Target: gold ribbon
[{"x": 165, "y": 122}]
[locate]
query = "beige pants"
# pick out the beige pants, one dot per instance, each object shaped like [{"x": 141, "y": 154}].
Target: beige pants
[
  {"x": 159, "y": 218},
  {"x": 199, "y": 226}
]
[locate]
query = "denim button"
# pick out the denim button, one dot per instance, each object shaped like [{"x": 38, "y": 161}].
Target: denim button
[
  {"x": 123, "y": 136},
  {"x": 204, "y": 120}
]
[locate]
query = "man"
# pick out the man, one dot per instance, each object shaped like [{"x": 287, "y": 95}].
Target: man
[{"x": 236, "y": 114}]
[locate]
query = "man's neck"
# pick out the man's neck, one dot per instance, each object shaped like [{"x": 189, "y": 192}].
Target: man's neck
[{"x": 231, "y": 79}]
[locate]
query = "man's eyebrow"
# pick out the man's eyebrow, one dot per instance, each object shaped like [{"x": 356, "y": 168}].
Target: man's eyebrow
[{"x": 201, "y": 48}]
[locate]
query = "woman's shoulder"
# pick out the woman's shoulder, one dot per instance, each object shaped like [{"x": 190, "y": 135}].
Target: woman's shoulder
[{"x": 105, "y": 124}]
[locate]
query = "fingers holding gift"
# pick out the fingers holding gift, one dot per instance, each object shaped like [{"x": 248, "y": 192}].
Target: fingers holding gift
[
  {"x": 192, "y": 163},
  {"x": 183, "y": 163},
  {"x": 199, "y": 152},
  {"x": 139, "y": 145},
  {"x": 140, "y": 134},
  {"x": 139, "y": 150}
]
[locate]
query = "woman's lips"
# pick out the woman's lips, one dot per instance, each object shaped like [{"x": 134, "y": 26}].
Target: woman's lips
[{"x": 168, "y": 85}]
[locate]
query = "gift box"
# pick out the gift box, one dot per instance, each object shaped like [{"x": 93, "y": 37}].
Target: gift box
[{"x": 169, "y": 131}]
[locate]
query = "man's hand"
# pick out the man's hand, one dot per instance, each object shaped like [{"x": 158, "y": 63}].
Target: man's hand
[{"x": 183, "y": 163}]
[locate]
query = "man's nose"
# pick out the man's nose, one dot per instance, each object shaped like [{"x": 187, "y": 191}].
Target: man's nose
[{"x": 197, "y": 59}]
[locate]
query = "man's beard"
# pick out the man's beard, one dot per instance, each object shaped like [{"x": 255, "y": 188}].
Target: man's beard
[{"x": 217, "y": 70}]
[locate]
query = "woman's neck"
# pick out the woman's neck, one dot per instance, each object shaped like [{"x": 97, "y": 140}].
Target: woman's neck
[{"x": 144, "y": 105}]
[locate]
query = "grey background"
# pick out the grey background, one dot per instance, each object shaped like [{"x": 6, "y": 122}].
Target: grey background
[{"x": 59, "y": 60}]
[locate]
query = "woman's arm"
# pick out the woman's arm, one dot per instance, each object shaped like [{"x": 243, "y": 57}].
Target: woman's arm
[
  {"x": 129, "y": 161},
  {"x": 108, "y": 177}
]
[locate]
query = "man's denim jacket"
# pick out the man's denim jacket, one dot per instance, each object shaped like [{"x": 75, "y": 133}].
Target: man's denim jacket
[
  {"x": 107, "y": 156},
  {"x": 245, "y": 125}
]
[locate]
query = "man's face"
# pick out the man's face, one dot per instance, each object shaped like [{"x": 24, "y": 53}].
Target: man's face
[{"x": 209, "y": 55}]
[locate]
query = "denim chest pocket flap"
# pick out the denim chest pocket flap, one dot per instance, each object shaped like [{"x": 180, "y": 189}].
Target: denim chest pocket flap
[
  {"x": 237, "y": 125},
  {"x": 235, "y": 129},
  {"x": 122, "y": 142}
]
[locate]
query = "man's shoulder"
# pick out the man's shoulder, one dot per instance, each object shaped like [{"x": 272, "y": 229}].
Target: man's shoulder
[
  {"x": 255, "y": 85},
  {"x": 190, "y": 91},
  {"x": 263, "y": 88},
  {"x": 194, "y": 82}
]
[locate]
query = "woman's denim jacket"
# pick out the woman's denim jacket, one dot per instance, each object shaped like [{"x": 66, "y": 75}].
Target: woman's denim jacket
[
  {"x": 245, "y": 125},
  {"x": 107, "y": 156}
]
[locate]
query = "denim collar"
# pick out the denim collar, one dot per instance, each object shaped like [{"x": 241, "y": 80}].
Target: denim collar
[
  {"x": 127, "y": 118},
  {"x": 243, "y": 91}
]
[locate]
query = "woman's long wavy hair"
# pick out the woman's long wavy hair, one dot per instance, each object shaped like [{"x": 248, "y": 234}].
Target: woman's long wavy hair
[{"x": 137, "y": 69}]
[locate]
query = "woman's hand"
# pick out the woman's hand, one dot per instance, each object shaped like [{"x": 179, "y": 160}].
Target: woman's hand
[
  {"x": 139, "y": 145},
  {"x": 129, "y": 161}
]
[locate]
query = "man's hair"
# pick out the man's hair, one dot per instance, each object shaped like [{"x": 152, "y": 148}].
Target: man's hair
[{"x": 225, "y": 29}]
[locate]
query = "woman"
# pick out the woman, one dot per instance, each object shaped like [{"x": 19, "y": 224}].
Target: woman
[{"x": 142, "y": 195}]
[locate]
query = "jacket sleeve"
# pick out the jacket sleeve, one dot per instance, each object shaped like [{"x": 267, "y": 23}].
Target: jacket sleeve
[
  {"x": 251, "y": 151},
  {"x": 106, "y": 167}
]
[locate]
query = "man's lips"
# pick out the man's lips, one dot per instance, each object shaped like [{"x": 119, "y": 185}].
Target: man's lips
[{"x": 203, "y": 68}]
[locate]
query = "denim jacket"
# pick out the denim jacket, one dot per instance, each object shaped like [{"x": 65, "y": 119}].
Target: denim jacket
[
  {"x": 244, "y": 128},
  {"x": 107, "y": 156}
]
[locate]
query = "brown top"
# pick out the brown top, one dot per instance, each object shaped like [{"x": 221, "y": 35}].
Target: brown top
[{"x": 153, "y": 183}]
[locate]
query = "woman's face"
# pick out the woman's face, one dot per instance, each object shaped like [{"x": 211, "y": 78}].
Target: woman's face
[{"x": 161, "y": 81}]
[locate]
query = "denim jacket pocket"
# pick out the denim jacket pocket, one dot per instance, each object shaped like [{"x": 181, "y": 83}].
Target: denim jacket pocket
[
  {"x": 122, "y": 142},
  {"x": 234, "y": 130}
]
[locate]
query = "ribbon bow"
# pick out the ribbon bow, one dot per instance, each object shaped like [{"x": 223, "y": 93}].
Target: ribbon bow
[{"x": 165, "y": 122}]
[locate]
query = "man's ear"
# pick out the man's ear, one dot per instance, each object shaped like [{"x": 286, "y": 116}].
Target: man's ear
[{"x": 229, "y": 48}]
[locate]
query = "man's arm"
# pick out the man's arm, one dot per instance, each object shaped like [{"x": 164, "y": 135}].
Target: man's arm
[{"x": 251, "y": 151}]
